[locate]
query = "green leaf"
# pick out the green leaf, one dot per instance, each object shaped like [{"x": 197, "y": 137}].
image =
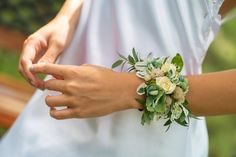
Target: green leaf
[
  {"x": 135, "y": 55},
  {"x": 141, "y": 89},
  {"x": 161, "y": 105},
  {"x": 154, "y": 92},
  {"x": 168, "y": 122},
  {"x": 131, "y": 60},
  {"x": 141, "y": 101},
  {"x": 149, "y": 101},
  {"x": 131, "y": 68},
  {"x": 117, "y": 63},
  {"x": 123, "y": 57},
  {"x": 178, "y": 62},
  {"x": 157, "y": 63},
  {"x": 160, "y": 94},
  {"x": 184, "y": 123},
  {"x": 146, "y": 117},
  {"x": 182, "y": 117},
  {"x": 123, "y": 64},
  {"x": 150, "y": 109}
]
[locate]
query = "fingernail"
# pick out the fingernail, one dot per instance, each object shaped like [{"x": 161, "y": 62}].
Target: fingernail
[{"x": 31, "y": 68}]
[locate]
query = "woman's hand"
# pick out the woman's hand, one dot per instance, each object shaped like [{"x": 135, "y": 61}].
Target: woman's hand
[
  {"x": 45, "y": 45},
  {"x": 89, "y": 90}
]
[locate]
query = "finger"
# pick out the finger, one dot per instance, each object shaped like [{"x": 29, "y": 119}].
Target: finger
[
  {"x": 54, "y": 50},
  {"x": 63, "y": 113},
  {"x": 55, "y": 85},
  {"x": 23, "y": 74},
  {"x": 57, "y": 101},
  {"x": 52, "y": 69},
  {"x": 31, "y": 47},
  {"x": 30, "y": 77}
]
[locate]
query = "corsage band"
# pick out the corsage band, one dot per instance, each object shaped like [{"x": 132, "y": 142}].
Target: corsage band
[{"x": 164, "y": 88}]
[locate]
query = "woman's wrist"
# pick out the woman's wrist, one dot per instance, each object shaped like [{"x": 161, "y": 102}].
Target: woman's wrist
[
  {"x": 130, "y": 83},
  {"x": 70, "y": 11}
]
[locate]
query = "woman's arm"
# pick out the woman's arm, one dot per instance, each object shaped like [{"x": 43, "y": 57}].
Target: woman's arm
[
  {"x": 71, "y": 11},
  {"x": 91, "y": 91},
  {"x": 212, "y": 93},
  {"x": 47, "y": 43}
]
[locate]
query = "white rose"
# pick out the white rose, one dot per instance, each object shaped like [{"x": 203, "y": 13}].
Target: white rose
[
  {"x": 168, "y": 66},
  {"x": 165, "y": 83}
]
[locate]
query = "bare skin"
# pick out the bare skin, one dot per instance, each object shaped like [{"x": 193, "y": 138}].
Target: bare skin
[
  {"x": 100, "y": 91},
  {"x": 46, "y": 44}
]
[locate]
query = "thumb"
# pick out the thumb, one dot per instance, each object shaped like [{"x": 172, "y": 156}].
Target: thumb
[{"x": 52, "y": 53}]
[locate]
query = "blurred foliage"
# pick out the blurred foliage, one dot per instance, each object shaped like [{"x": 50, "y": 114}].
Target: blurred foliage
[
  {"x": 2, "y": 131},
  {"x": 222, "y": 56},
  {"x": 7, "y": 56},
  {"x": 27, "y": 15}
]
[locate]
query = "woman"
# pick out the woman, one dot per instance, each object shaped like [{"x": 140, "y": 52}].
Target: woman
[{"x": 93, "y": 94}]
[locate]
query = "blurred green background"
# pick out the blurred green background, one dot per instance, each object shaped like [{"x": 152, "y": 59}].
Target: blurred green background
[{"x": 27, "y": 16}]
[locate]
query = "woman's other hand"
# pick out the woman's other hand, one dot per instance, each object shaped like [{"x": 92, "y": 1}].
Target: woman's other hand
[
  {"x": 89, "y": 90},
  {"x": 46, "y": 44}
]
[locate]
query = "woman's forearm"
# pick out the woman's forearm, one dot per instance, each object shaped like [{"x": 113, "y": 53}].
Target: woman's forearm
[
  {"x": 212, "y": 93},
  {"x": 209, "y": 94},
  {"x": 71, "y": 11}
]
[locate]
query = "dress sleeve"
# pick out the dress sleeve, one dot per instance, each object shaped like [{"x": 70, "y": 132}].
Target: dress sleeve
[{"x": 212, "y": 20}]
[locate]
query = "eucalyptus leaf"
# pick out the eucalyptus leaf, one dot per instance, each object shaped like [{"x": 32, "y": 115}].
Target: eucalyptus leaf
[
  {"x": 122, "y": 65},
  {"x": 131, "y": 60},
  {"x": 123, "y": 57},
  {"x": 135, "y": 55},
  {"x": 168, "y": 122},
  {"x": 117, "y": 63},
  {"x": 184, "y": 123}
]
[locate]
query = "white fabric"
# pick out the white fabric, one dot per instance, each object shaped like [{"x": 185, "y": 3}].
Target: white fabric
[{"x": 106, "y": 27}]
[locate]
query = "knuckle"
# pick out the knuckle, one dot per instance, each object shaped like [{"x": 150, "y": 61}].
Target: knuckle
[
  {"x": 23, "y": 61},
  {"x": 47, "y": 84},
  {"x": 30, "y": 39},
  {"x": 71, "y": 86}
]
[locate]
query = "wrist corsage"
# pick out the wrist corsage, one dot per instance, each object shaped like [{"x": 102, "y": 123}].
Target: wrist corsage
[{"x": 164, "y": 88}]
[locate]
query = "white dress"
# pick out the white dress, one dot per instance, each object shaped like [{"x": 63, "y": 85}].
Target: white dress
[{"x": 106, "y": 27}]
